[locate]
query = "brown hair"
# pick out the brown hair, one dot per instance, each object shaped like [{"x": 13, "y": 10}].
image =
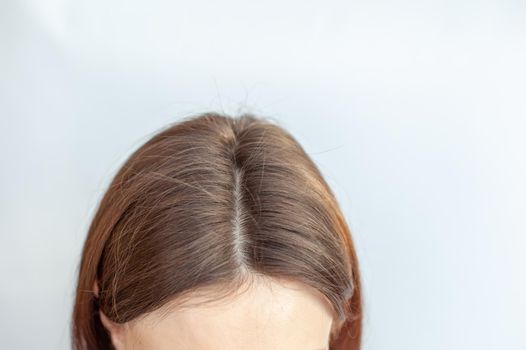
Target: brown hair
[{"x": 206, "y": 202}]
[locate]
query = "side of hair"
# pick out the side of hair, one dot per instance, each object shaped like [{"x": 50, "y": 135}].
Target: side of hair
[{"x": 210, "y": 201}]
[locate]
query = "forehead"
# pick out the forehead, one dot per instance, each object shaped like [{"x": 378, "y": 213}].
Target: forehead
[{"x": 270, "y": 315}]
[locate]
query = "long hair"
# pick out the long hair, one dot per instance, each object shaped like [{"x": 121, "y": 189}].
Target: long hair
[{"x": 209, "y": 201}]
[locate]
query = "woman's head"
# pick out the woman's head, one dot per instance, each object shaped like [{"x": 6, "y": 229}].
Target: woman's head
[{"x": 218, "y": 233}]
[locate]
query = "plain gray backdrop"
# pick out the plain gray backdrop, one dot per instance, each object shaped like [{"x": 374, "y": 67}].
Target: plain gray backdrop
[{"x": 414, "y": 111}]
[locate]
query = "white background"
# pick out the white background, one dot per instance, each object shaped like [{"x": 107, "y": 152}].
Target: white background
[{"x": 414, "y": 110}]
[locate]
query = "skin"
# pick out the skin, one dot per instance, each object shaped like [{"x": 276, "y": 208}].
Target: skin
[{"x": 269, "y": 315}]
